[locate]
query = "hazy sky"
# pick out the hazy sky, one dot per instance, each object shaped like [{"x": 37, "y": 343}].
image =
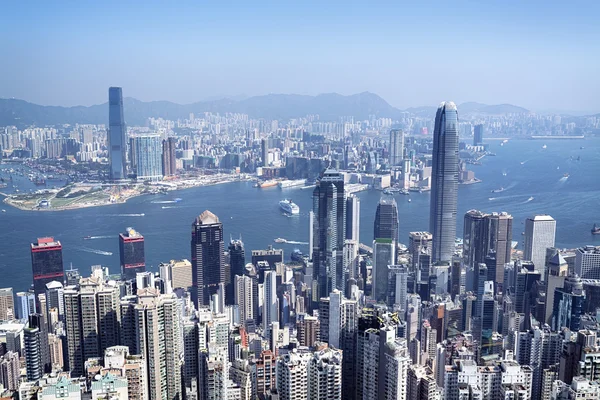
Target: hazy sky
[{"x": 538, "y": 54}]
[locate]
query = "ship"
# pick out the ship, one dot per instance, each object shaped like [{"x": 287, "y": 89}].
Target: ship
[
  {"x": 544, "y": 146},
  {"x": 498, "y": 190},
  {"x": 292, "y": 183},
  {"x": 566, "y": 175},
  {"x": 280, "y": 240},
  {"x": 289, "y": 206},
  {"x": 596, "y": 230},
  {"x": 87, "y": 237},
  {"x": 266, "y": 184}
]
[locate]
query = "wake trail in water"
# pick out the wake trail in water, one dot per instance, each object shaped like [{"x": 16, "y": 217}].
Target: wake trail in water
[
  {"x": 126, "y": 215},
  {"x": 95, "y": 251},
  {"x": 100, "y": 237},
  {"x": 164, "y": 202},
  {"x": 528, "y": 200},
  {"x": 563, "y": 179}
]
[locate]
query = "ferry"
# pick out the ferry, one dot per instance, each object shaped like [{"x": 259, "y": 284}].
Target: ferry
[
  {"x": 498, "y": 190},
  {"x": 266, "y": 184},
  {"x": 87, "y": 237},
  {"x": 292, "y": 183},
  {"x": 280, "y": 240},
  {"x": 289, "y": 206},
  {"x": 595, "y": 229}
]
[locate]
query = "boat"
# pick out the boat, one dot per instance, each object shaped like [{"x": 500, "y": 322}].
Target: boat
[
  {"x": 289, "y": 206},
  {"x": 595, "y": 229},
  {"x": 280, "y": 240},
  {"x": 544, "y": 146},
  {"x": 409, "y": 200},
  {"x": 566, "y": 175},
  {"x": 266, "y": 184},
  {"x": 3, "y": 210},
  {"x": 292, "y": 183},
  {"x": 87, "y": 237},
  {"x": 529, "y": 199},
  {"x": 581, "y": 148},
  {"x": 498, "y": 190},
  {"x": 177, "y": 200}
]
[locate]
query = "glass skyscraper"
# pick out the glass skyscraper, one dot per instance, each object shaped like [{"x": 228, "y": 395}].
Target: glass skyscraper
[
  {"x": 208, "y": 266},
  {"x": 444, "y": 183},
  {"x": 328, "y": 227},
  {"x": 146, "y": 157},
  {"x": 117, "y": 133},
  {"x": 386, "y": 219}
]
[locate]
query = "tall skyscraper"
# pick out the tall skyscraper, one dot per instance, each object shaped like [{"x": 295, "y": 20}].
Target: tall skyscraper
[
  {"x": 270, "y": 312},
  {"x": 478, "y": 135},
  {"x": 237, "y": 266},
  {"x": 444, "y": 183},
  {"x": 384, "y": 255},
  {"x": 329, "y": 207},
  {"x": 38, "y": 322},
  {"x": 132, "y": 256},
  {"x": 208, "y": 266},
  {"x": 353, "y": 218},
  {"x": 33, "y": 353},
  {"x": 386, "y": 219},
  {"x": 539, "y": 235},
  {"x": 396, "y": 148},
  {"x": 46, "y": 263},
  {"x": 146, "y": 157},
  {"x": 117, "y": 133},
  {"x": 243, "y": 297},
  {"x": 169, "y": 159},
  {"x": 7, "y": 304}
]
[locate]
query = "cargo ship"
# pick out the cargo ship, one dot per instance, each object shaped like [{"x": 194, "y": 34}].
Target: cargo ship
[{"x": 267, "y": 184}]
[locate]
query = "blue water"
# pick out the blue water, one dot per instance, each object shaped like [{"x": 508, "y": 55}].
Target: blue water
[{"x": 255, "y": 215}]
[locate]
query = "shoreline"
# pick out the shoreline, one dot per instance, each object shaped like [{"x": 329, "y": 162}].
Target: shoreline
[{"x": 9, "y": 200}]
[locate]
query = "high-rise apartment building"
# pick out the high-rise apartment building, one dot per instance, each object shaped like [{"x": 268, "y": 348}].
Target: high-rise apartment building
[
  {"x": 177, "y": 274},
  {"x": 33, "y": 353},
  {"x": 131, "y": 253},
  {"x": 10, "y": 371},
  {"x": 539, "y": 236},
  {"x": 46, "y": 263},
  {"x": 237, "y": 266},
  {"x": 117, "y": 133},
  {"x": 329, "y": 208},
  {"x": 7, "y": 304},
  {"x": 146, "y": 157},
  {"x": 169, "y": 159},
  {"x": 208, "y": 266},
  {"x": 386, "y": 219},
  {"x": 325, "y": 375},
  {"x": 292, "y": 375},
  {"x": 444, "y": 183},
  {"x": 243, "y": 297},
  {"x": 396, "y": 147},
  {"x": 478, "y": 135},
  {"x": 270, "y": 312}
]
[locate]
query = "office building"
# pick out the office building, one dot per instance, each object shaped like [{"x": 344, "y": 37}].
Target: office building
[
  {"x": 386, "y": 219},
  {"x": 478, "y": 135},
  {"x": 396, "y": 147},
  {"x": 54, "y": 298},
  {"x": 587, "y": 262},
  {"x": 329, "y": 232},
  {"x": 131, "y": 253},
  {"x": 353, "y": 218},
  {"x": 569, "y": 305},
  {"x": 46, "y": 263},
  {"x": 33, "y": 353},
  {"x": 325, "y": 375},
  {"x": 25, "y": 305},
  {"x": 384, "y": 255},
  {"x": 117, "y": 135},
  {"x": 539, "y": 236},
  {"x": 444, "y": 183},
  {"x": 169, "y": 160},
  {"x": 146, "y": 157},
  {"x": 7, "y": 305},
  {"x": 177, "y": 274},
  {"x": 40, "y": 322},
  {"x": 208, "y": 265},
  {"x": 237, "y": 266},
  {"x": 557, "y": 273},
  {"x": 418, "y": 243}
]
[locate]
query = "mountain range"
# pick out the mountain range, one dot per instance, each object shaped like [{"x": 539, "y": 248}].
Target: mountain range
[{"x": 329, "y": 107}]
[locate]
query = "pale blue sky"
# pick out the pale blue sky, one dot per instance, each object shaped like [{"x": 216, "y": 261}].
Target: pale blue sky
[{"x": 538, "y": 54}]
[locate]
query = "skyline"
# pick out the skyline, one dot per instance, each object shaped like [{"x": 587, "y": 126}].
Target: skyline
[{"x": 197, "y": 52}]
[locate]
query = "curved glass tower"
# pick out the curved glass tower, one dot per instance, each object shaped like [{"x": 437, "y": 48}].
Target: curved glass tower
[{"x": 444, "y": 183}]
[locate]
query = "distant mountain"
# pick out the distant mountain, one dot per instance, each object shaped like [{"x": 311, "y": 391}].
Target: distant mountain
[
  {"x": 478, "y": 108},
  {"x": 329, "y": 106}
]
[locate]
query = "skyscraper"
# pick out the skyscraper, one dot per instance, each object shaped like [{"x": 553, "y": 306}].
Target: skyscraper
[
  {"x": 329, "y": 207},
  {"x": 539, "y": 235},
  {"x": 444, "y": 183},
  {"x": 208, "y": 266},
  {"x": 146, "y": 157},
  {"x": 478, "y": 135},
  {"x": 169, "y": 160},
  {"x": 353, "y": 218},
  {"x": 384, "y": 255},
  {"x": 117, "y": 133},
  {"x": 46, "y": 263},
  {"x": 386, "y": 219},
  {"x": 325, "y": 375},
  {"x": 396, "y": 148},
  {"x": 237, "y": 265},
  {"x": 131, "y": 251}
]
